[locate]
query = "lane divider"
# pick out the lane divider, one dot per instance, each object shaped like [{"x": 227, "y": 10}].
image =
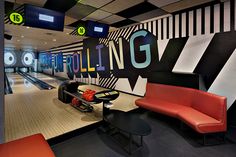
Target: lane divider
[
  {"x": 8, "y": 89},
  {"x": 35, "y": 81}
]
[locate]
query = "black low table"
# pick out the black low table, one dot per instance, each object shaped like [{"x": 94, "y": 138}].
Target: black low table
[{"x": 130, "y": 124}]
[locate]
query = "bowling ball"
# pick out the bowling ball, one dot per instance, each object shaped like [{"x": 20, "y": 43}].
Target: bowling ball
[
  {"x": 88, "y": 95},
  {"x": 75, "y": 102}
]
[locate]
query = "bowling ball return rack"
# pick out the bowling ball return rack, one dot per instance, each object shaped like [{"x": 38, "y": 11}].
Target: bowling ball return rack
[
  {"x": 69, "y": 90},
  {"x": 86, "y": 106},
  {"x": 104, "y": 97}
]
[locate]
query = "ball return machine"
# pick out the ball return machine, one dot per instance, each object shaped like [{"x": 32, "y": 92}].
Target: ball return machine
[{"x": 69, "y": 90}]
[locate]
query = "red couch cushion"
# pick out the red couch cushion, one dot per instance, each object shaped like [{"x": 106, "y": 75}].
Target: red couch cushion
[
  {"x": 31, "y": 146},
  {"x": 210, "y": 104},
  {"x": 160, "y": 106},
  {"x": 200, "y": 121},
  {"x": 172, "y": 94}
]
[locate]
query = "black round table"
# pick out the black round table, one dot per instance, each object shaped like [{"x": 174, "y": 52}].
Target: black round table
[{"x": 129, "y": 123}]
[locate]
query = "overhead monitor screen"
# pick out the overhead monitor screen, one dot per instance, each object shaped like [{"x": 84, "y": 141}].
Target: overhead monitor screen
[
  {"x": 97, "y": 30},
  {"x": 43, "y": 18}
]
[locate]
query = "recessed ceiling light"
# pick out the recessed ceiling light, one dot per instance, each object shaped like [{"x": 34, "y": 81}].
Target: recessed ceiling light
[
  {"x": 27, "y": 27},
  {"x": 67, "y": 33},
  {"x": 54, "y": 39}
]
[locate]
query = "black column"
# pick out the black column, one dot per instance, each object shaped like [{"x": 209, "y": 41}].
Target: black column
[{"x": 2, "y": 71}]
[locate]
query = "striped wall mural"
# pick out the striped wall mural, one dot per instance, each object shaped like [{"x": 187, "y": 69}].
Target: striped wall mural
[
  {"x": 206, "y": 20},
  {"x": 108, "y": 82},
  {"x": 125, "y": 33},
  {"x": 196, "y": 41}
]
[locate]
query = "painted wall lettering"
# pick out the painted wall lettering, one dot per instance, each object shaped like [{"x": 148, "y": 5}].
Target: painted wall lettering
[
  {"x": 90, "y": 69},
  {"x": 143, "y": 48},
  {"x": 100, "y": 67},
  {"x": 119, "y": 58},
  {"x": 76, "y": 63},
  {"x": 58, "y": 62},
  {"x": 81, "y": 64},
  {"x": 68, "y": 63},
  {"x": 45, "y": 60}
]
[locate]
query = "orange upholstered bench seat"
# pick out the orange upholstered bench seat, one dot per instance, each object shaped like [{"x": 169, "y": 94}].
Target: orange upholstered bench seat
[
  {"x": 31, "y": 146},
  {"x": 202, "y": 111}
]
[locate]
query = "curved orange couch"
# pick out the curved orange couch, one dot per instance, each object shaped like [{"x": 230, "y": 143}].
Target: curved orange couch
[{"x": 202, "y": 111}]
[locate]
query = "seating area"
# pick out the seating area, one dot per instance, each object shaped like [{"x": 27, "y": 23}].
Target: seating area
[
  {"x": 202, "y": 111},
  {"x": 117, "y": 78}
]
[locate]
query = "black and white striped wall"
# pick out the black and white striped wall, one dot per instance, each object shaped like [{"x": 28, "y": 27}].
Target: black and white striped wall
[
  {"x": 209, "y": 49},
  {"x": 206, "y": 45},
  {"x": 205, "y": 20}
]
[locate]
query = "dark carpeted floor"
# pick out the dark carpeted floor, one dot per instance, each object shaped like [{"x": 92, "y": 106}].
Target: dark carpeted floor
[{"x": 166, "y": 140}]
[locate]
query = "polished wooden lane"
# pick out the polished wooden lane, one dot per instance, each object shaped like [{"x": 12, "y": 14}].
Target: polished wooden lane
[
  {"x": 52, "y": 81},
  {"x": 20, "y": 84},
  {"x": 41, "y": 112}
]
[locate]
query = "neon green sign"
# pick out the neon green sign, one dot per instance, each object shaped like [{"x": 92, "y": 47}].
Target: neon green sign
[
  {"x": 16, "y": 18},
  {"x": 81, "y": 30}
]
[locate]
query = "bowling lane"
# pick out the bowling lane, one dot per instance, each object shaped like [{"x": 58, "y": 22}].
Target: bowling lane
[
  {"x": 47, "y": 79},
  {"x": 20, "y": 84}
]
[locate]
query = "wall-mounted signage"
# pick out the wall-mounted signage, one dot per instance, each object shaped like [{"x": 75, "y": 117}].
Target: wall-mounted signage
[
  {"x": 16, "y": 18},
  {"x": 96, "y": 29}
]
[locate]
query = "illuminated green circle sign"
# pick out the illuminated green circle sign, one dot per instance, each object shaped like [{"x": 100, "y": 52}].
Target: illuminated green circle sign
[
  {"x": 16, "y": 18},
  {"x": 81, "y": 30}
]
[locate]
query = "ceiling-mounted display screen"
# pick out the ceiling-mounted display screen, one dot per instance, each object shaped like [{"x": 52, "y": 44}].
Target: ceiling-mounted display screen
[
  {"x": 96, "y": 29},
  {"x": 43, "y": 18}
]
